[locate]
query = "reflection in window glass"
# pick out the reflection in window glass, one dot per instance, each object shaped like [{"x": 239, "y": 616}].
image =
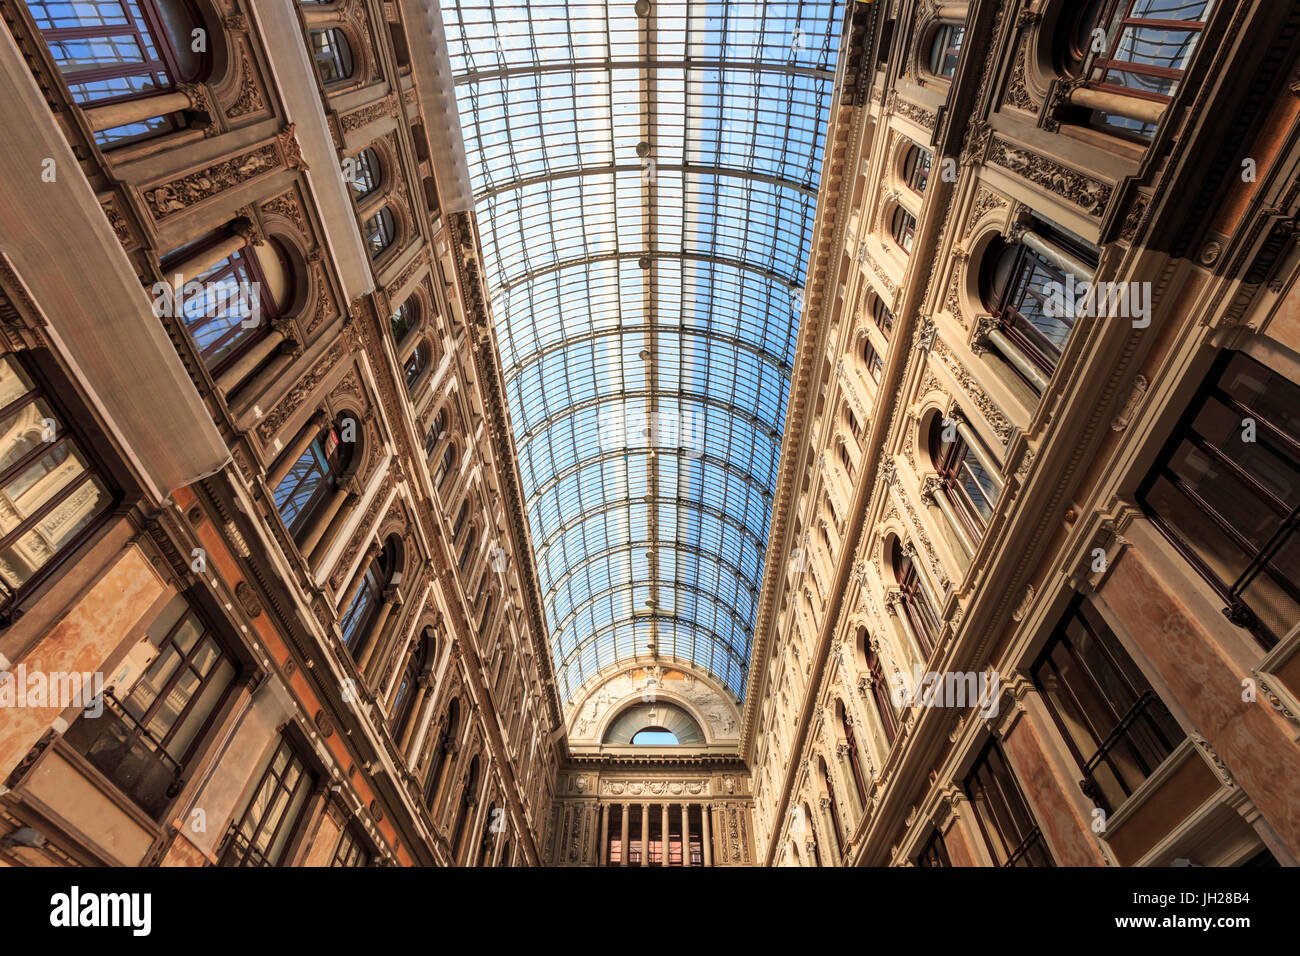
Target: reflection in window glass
[{"x": 50, "y": 491}]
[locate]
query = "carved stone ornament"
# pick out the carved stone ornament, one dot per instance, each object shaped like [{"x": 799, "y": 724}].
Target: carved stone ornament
[
  {"x": 246, "y": 595},
  {"x": 179, "y": 194}
]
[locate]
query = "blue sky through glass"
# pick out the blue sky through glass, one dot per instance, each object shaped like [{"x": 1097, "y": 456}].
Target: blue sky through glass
[{"x": 645, "y": 191}]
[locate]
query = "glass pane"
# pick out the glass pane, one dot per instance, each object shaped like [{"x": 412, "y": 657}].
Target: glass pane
[
  {"x": 581, "y": 288},
  {"x": 36, "y": 547}
]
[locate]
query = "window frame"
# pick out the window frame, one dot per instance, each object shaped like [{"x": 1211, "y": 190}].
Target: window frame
[
  {"x": 69, "y": 419},
  {"x": 902, "y": 228},
  {"x": 1237, "y": 610},
  {"x": 1026, "y": 841},
  {"x": 1146, "y": 703},
  {"x": 941, "y": 39},
  {"x": 340, "y": 57},
  {"x": 244, "y": 257},
  {"x": 238, "y": 849},
  {"x": 384, "y": 229}
]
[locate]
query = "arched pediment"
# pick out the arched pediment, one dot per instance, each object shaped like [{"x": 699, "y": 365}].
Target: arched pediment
[{"x": 674, "y": 686}]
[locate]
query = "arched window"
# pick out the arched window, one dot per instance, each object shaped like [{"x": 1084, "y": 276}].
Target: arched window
[
  {"x": 871, "y": 360},
  {"x": 415, "y": 366},
  {"x": 379, "y": 232},
  {"x": 365, "y": 602},
  {"x": 232, "y": 303},
  {"x": 916, "y": 603},
  {"x": 459, "y": 524},
  {"x": 916, "y": 169},
  {"x": 880, "y": 695},
  {"x": 364, "y": 174},
  {"x": 851, "y": 420},
  {"x": 967, "y": 483},
  {"x": 437, "y": 431},
  {"x": 486, "y": 613},
  {"x": 467, "y": 549},
  {"x": 52, "y": 495},
  {"x": 1076, "y": 35},
  {"x": 333, "y": 55},
  {"x": 1033, "y": 297},
  {"x": 903, "y": 228},
  {"x": 945, "y": 49},
  {"x": 403, "y": 320},
  {"x": 446, "y": 467},
  {"x": 404, "y": 699},
  {"x": 884, "y": 319},
  {"x": 114, "y": 51},
  {"x": 1149, "y": 44},
  {"x": 313, "y": 475},
  {"x": 846, "y": 460}
]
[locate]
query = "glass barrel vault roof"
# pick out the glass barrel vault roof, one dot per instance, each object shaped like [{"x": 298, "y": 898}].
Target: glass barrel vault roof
[{"x": 645, "y": 188}]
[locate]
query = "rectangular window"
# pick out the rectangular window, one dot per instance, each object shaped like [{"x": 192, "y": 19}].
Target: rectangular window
[
  {"x": 1226, "y": 492},
  {"x": 113, "y": 50},
  {"x": 1117, "y": 728},
  {"x": 934, "y": 853},
  {"x": 273, "y": 812},
  {"x": 51, "y": 493},
  {"x": 1151, "y": 43},
  {"x": 1010, "y": 833},
  {"x": 350, "y": 851},
  {"x": 143, "y": 741}
]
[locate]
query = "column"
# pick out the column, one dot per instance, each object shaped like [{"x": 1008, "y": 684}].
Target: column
[
  {"x": 377, "y": 629},
  {"x": 623, "y": 844},
  {"x": 706, "y": 837},
  {"x": 192, "y": 268},
  {"x": 398, "y": 669},
  {"x": 976, "y": 447},
  {"x": 645, "y": 834},
  {"x": 1147, "y": 111},
  {"x": 113, "y": 115},
  {"x": 664, "y": 839},
  {"x": 1013, "y": 355},
  {"x": 686, "y": 834},
  {"x": 933, "y": 492},
  {"x": 322, "y": 521},
  {"x": 258, "y": 353},
  {"x": 417, "y": 717},
  {"x": 604, "y": 834},
  {"x": 332, "y": 532},
  {"x": 300, "y": 442},
  {"x": 923, "y": 573}
]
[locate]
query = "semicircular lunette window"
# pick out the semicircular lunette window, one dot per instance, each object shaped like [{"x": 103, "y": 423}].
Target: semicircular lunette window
[
  {"x": 657, "y": 724},
  {"x": 645, "y": 191}
]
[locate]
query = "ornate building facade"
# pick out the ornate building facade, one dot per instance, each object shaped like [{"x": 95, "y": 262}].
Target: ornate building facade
[
  {"x": 1042, "y": 595},
  {"x": 286, "y": 579},
  {"x": 274, "y": 502}
]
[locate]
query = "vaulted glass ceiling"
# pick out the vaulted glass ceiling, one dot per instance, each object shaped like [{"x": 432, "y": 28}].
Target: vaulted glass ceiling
[{"x": 645, "y": 180}]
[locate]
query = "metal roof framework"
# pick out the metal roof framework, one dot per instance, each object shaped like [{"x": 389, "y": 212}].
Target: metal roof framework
[{"x": 645, "y": 179}]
